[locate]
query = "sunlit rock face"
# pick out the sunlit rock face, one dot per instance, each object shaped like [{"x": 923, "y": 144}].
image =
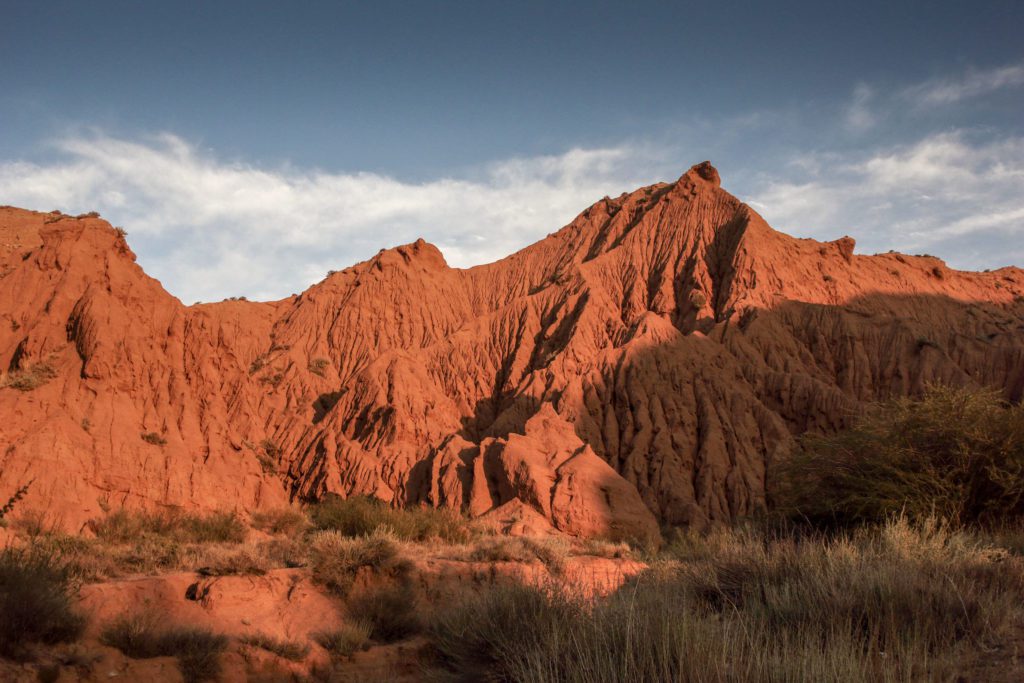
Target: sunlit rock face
[{"x": 642, "y": 365}]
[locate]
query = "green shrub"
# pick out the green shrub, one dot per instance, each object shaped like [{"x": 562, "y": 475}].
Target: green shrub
[
  {"x": 955, "y": 453},
  {"x": 361, "y": 515},
  {"x": 286, "y": 649},
  {"x": 142, "y": 636},
  {"x": 346, "y": 640},
  {"x": 36, "y": 604}
]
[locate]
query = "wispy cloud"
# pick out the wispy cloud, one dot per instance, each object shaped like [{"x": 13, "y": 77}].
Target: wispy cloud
[
  {"x": 209, "y": 229},
  {"x": 859, "y": 116},
  {"x": 943, "y": 194},
  {"x": 974, "y": 83}
]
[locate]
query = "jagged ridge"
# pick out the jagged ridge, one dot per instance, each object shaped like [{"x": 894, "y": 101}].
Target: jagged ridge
[{"x": 663, "y": 347}]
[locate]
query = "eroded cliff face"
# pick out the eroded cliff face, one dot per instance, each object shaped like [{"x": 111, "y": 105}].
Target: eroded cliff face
[{"x": 644, "y": 364}]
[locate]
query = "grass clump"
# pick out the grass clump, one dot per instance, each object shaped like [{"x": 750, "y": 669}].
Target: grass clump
[
  {"x": 125, "y": 525},
  {"x": 346, "y": 640},
  {"x": 551, "y": 552},
  {"x": 954, "y": 453},
  {"x": 283, "y": 521},
  {"x": 36, "y": 603},
  {"x": 141, "y": 636},
  {"x": 362, "y": 515},
  {"x": 32, "y": 377},
  {"x": 318, "y": 366},
  {"x": 336, "y": 559},
  {"x": 900, "y": 601},
  {"x": 390, "y": 612},
  {"x": 154, "y": 439},
  {"x": 286, "y": 649}
]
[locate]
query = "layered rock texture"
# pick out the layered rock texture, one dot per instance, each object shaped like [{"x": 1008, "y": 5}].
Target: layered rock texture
[{"x": 644, "y": 364}]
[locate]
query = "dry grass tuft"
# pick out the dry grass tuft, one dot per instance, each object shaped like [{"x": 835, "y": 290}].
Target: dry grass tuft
[
  {"x": 125, "y": 525},
  {"x": 285, "y": 521},
  {"x": 335, "y": 559},
  {"x": 899, "y": 601},
  {"x": 360, "y": 516},
  {"x": 390, "y": 612},
  {"x": 36, "y": 604},
  {"x": 346, "y": 640},
  {"x": 286, "y": 649},
  {"x": 32, "y": 377},
  {"x": 142, "y": 636}
]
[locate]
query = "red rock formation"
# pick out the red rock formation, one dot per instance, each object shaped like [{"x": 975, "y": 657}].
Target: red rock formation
[{"x": 663, "y": 347}]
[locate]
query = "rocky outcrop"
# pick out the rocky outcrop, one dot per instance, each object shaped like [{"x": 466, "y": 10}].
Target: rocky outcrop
[{"x": 644, "y": 364}]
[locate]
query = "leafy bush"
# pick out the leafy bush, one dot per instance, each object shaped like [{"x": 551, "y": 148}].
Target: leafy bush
[
  {"x": 346, "y": 640},
  {"x": 35, "y": 600},
  {"x": 955, "y": 453},
  {"x": 142, "y": 637},
  {"x": 286, "y": 649},
  {"x": 361, "y": 515}
]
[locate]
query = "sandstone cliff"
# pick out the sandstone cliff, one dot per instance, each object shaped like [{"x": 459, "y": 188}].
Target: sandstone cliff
[{"x": 642, "y": 364}]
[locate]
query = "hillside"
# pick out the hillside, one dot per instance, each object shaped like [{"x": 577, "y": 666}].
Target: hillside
[{"x": 641, "y": 365}]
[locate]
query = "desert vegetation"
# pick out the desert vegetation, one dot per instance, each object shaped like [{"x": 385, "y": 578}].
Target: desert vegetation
[
  {"x": 30, "y": 377},
  {"x": 36, "y": 605},
  {"x": 898, "y": 601},
  {"x": 144, "y": 636},
  {"x": 953, "y": 454},
  {"x": 894, "y": 552}
]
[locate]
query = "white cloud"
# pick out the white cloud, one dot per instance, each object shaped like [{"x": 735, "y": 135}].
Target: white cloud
[
  {"x": 974, "y": 83},
  {"x": 210, "y": 229},
  {"x": 942, "y": 194}
]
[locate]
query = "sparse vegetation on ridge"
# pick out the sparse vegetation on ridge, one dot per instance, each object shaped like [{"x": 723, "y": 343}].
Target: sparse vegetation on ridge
[{"x": 31, "y": 377}]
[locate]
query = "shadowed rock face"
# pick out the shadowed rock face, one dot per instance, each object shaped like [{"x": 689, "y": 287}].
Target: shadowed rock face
[{"x": 645, "y": 363}]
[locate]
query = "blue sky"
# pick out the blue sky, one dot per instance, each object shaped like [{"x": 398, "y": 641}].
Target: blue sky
[{"x": 250, "y": 147}]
